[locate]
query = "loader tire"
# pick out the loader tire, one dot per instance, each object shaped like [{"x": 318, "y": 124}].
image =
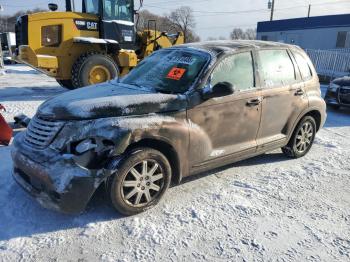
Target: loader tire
[
  {"x": 66, "y": 84},
  {"x": 93, "y": 68}
]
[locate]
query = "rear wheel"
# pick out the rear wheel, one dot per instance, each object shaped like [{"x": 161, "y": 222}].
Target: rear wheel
[
  {"x": 93, "y": 68},
  {"x": 140, "y": 181},
  {"x": 302, "y": 138},
  {"x": 66, "y": 84}
]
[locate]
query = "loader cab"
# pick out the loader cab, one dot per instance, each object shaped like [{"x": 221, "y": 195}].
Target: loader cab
[{"x": 116, "y": 20}]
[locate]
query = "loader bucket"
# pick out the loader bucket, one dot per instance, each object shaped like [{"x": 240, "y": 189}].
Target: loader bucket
[{"x": 5, "y": 130}]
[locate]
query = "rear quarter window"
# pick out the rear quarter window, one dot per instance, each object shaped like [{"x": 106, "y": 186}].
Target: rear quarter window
[
  {"x": 276, "y": 68},
  {"x": 304, "y": 67}
]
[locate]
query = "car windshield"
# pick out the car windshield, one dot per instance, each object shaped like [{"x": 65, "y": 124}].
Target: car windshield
[{"x": 169, "y": 71}]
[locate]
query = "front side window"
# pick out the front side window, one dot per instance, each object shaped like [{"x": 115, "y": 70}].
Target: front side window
[
  {"x": 168, "y": 71},
  {"x": 277, "y": 68},
  {"x": 118, "y": 10},
  {"x": 303, "y": 65},
  {"x": 237, "y": 69}
]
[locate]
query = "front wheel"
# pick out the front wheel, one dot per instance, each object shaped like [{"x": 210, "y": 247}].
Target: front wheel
[
  {"x": 140, "y": 181},
  {"x": 302, "y": 138}
]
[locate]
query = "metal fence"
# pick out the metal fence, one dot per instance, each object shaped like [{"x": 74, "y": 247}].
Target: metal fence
[{"x": 331, "y": 63}]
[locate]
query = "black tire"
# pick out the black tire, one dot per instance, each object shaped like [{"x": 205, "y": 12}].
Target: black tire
[
  {"x": 293, "y": 148},
  {"x": 66, "y": 84},
  {"x": 124, "y": 183},
  {"x": 85, "y": 63}
]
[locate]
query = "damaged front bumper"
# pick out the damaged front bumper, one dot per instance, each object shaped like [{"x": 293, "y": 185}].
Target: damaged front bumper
[{"x": 55, "y": 180}]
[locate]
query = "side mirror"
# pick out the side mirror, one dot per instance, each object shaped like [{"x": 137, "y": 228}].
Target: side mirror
[
  {"x": 219, "y": 90},
  {"x": 53, "y": 7}
]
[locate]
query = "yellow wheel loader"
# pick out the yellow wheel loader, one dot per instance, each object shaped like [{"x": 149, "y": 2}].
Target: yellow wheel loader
[{"x": 87, "y": 47}]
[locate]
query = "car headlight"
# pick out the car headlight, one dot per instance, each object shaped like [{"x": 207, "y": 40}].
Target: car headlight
[
  {"x": 333, "y": 87},
  {"x": 85, "y": 146}
]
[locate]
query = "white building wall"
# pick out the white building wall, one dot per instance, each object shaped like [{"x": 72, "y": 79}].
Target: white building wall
[{"x": 322, "y": 38}]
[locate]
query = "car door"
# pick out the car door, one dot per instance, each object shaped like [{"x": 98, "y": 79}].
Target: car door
[
  {"x": 227, "y": 126},
  {"x": 283, "y": 96}
]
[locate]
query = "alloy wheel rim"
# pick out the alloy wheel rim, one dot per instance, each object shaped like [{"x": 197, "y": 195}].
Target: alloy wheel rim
[
  {"x": 99, "y": 74},
  {"x": 304, "y": 137},
  {"x": 143, "y": 183}
]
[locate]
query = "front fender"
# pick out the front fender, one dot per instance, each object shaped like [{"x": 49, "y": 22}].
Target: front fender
[{"x": 122, "y": 132}]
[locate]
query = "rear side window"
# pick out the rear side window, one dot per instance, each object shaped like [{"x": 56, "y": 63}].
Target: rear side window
[
  {"x": 51, "y": 35},
  {"x": 236, "y": 69},
  {"x": 303, "y": 65},
  {"x": 277, "y": 68}
]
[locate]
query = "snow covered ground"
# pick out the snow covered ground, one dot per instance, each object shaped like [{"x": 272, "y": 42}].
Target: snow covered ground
[{"x": 268, "y": 208}]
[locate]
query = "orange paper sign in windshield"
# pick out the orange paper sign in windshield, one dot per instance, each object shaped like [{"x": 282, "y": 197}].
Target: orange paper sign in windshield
[{"x": 176, "y": 73}]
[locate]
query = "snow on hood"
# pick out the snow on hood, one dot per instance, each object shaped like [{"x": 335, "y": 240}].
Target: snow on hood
[{"x": 109, "y": 99}]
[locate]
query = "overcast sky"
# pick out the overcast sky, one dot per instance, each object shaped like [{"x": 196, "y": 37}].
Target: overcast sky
[{"x": 218, "y": 17}]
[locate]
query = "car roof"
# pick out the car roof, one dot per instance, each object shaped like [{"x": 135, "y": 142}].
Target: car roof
[{"x": 233, "y": 45}]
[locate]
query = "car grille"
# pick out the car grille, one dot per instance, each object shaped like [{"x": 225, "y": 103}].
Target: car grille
[
  {"x": 344, "y": 95},
  {"x": 41, "y": 131}
]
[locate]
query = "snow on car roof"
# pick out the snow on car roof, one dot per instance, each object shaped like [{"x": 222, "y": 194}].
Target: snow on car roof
[{"x": 218, "y": 47}]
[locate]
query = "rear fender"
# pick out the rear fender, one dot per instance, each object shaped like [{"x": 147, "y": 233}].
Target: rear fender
[{"x": 307, "y": 112}]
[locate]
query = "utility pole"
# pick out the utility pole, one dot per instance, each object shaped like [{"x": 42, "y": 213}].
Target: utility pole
[
  {"x": 271, "y": 5},
  {"x": 1, "y": 9},
  {"x": 309, "y": 12}
]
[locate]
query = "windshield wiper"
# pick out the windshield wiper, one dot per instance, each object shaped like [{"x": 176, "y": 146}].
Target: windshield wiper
[
  {"x": 136, "y": 84},
  {"x": 160, "y": 90},
  {"x": 139, "y": 86}
]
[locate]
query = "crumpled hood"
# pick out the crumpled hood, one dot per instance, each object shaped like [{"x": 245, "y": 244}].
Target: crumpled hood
[{"x": 110, "y": 99}]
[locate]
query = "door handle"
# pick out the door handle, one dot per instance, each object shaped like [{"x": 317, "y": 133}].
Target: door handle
[
  {"x": 299, "y": 92},
  {"x": 254, "y": 102}
]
